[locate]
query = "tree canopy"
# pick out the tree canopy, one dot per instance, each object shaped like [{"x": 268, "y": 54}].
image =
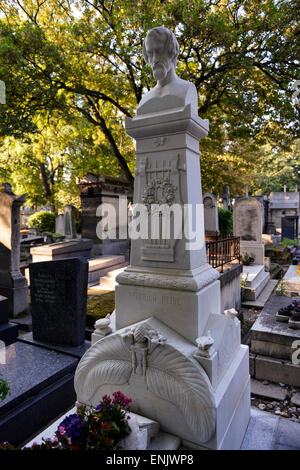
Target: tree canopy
[{"x": 74, "y": 69}]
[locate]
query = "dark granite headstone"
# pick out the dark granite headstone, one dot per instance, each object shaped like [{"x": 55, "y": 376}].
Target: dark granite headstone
[{"x": 58, "y": 301}]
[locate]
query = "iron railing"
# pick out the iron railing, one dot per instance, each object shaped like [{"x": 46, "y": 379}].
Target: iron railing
[{"x": 222, "y": 251}]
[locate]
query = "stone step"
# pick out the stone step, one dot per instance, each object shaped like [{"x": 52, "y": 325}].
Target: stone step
[
  {"x": 108, "y": 282},
  {"x": 252, "y": 293},
  {"x": 253, "y": 274},
  {"x": 263, "y": 296},
  {"x": 99, "y": 267}
]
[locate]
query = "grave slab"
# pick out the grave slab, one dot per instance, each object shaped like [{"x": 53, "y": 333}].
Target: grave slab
[
  {"x": 292, "y": 281},
  {"x": 75, "y": 351},
  {"x": 41, "y": 383},
  {"x": 272, "y": 391},
  {"x": 62, "y": 250}
]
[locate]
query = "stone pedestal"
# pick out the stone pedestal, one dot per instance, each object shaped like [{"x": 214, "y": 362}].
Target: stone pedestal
[{"x": 12, "y": 284}]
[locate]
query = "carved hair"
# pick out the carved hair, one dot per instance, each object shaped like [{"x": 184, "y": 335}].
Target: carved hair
[{"x": 172, "y": 46}]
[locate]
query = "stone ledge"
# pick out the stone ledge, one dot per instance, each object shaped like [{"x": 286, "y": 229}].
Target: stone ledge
[
  {"x": 229, "y": 275},
  {"x": 272, "y": 391}
]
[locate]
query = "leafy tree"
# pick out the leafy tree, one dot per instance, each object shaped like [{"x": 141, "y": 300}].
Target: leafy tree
[
  {"x": 278, "y": 167},
  {"x": 43, "y": 220},
  {"x": 83, "y": 58}
]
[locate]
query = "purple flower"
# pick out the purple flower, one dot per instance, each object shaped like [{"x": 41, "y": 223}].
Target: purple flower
[{"x": 72, "y": 425}]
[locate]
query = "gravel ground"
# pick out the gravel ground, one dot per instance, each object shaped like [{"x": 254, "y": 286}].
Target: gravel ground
[{"x": 283, "y": 408}]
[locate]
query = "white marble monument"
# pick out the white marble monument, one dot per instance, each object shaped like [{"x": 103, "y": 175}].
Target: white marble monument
[{"x": 171, "y": 348}]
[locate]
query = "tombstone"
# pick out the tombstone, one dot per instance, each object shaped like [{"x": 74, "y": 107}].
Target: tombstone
[
  {"x": 289, "y": 227},
  {"x": 211, "y": 218},
  {"x": 172, "y": 350},
  {"x": 226, "y": 199},
  {"x": 69, "y": 222},
  {"x": 60, "y": 224},
  {"x": 58, "y": 301},
  {"x": 12, "y": 284},
  {"x": 96, "y": 190},
  {"x": 247, "y": 221}
]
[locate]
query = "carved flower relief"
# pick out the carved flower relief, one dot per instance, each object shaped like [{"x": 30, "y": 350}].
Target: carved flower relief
[{"x": 159, "y": 191}]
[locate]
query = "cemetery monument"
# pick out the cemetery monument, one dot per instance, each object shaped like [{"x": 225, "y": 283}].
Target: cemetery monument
[{"x": 171, "y": 348}]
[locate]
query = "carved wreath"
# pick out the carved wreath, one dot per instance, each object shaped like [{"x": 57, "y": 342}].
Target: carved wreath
[
  {"x": 167, "y": 373},
  {"x": 150, "y": 196}
]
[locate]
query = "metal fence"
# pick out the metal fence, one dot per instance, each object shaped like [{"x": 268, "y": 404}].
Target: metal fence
[{"x": 222, "y": 251}]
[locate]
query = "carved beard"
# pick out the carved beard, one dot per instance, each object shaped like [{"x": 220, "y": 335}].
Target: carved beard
[{"x": 160, "y": 71}]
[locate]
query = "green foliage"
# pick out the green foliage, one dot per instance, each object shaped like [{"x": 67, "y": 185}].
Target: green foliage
[
  {"x": 281, "y": 288},
  {"x": 79, "y": 64},
  {"x": 43, "y": 220},
  {"x": 288, "y": 241},
  {"x": 225, "y": 221},
  {"x": 4, "y": 388}
]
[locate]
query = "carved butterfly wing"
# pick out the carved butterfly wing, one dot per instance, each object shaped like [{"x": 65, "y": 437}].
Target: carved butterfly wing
[
  {"x": 107, "y": 362},
  {"x": 173, "y": 377}
]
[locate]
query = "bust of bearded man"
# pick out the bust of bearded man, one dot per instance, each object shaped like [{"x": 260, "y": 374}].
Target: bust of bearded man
[{"x": 160, "y": 50}]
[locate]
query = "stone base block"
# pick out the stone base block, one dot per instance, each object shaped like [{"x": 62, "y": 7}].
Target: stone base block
[
  {"x": 185, "y": 312},
  {"x": 166, "y": 380},
  {"x": 233, "y": 407},
  {"x": 8, "y": 334},
  {"x": 257, "y": 249},
  {"x": 256, "y": 279},
  {"x": 275, "y": 370},
  {"x": 18, "y": 300}
]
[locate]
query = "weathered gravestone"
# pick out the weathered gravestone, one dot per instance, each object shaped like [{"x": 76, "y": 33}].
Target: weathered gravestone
[
  {"x": 211, "y": 219},
  {"x": 226, "y": 199},
  {"x": 60, "y": 224},
  {"x": 248, "y": 226},
  {"x": 12, "y": 284},
  {"x": 58, "y": 301},
  {"x": 69, "y": 221}
]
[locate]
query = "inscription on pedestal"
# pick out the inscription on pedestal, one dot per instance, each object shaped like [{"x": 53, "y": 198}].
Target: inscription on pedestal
[{"x": 153, "y": 299}]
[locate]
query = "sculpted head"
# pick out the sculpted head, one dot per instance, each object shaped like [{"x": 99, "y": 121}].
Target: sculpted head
[{"x": 160, "y": 50}]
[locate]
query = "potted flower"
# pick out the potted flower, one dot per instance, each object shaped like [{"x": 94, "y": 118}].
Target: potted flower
[{"x": 246, "y": 259}]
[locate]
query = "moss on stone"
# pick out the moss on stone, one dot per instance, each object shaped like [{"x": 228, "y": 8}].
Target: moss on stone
[{"x": 98, "y": 306}]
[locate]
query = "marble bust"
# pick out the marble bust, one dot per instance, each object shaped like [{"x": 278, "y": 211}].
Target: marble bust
[{"x": 160, "y": 50}]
